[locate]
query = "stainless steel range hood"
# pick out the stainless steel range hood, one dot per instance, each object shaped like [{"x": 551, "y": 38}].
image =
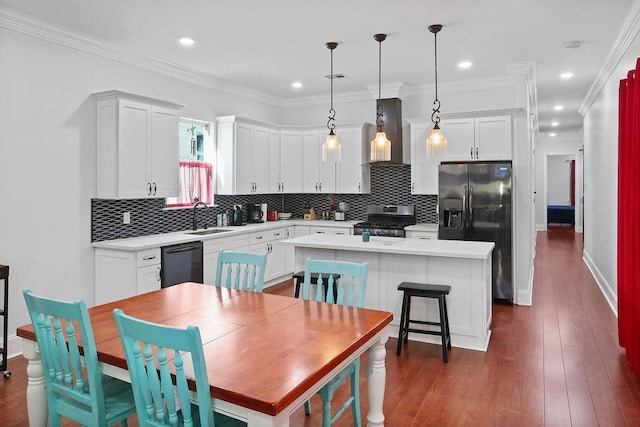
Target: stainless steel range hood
[{"x": 392, "y": 118}]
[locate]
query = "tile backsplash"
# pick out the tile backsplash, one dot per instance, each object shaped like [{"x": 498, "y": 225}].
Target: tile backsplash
[{"x": 389, "y": 185}]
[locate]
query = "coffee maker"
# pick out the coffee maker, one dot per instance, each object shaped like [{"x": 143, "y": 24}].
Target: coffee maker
[{"x": 255, "y": 212}]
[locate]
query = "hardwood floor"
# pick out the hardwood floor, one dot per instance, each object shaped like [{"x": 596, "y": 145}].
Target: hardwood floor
[{"x": 556, "y": 363}]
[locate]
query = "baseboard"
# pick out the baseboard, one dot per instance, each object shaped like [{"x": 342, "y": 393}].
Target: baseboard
[
  {"x": 541, "y": 227},
  {"x": 14, "y": 346},
  {"x": 525, "y": 297},
  {"x": 605, "y": 288}
]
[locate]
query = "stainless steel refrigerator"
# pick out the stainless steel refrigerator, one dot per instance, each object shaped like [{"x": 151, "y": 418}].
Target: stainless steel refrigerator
[{"x": 475, "y": 202}]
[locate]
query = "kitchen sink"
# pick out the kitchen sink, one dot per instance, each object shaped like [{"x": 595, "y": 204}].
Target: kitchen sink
[{"x": 205, "y": 232}]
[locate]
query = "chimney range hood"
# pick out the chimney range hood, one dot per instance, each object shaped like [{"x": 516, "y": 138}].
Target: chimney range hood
[{"x": 392, "y": 118}]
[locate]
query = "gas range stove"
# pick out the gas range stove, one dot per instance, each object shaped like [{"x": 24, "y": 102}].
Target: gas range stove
[{"x": 386, "y": 220}]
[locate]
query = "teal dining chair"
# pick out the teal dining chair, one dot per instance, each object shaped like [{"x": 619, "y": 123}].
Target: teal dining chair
[
  {"x": 241, "y": 270},
  {"x": 76, "y": 389},
  {"x": 349, "y": 281},
  {"x": 162, "y": 360}
]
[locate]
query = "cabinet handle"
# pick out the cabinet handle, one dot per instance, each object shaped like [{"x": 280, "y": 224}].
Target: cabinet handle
[
  {"x": 359, "y": 190},
  {"x": 154, "y": 188},
  {"x": 471, "y": 152},
  {"x": 148, "y": 258},
  {"x": 316, "y": 186},
  {"x": 477, "y": 153},
  {"x": 278, "y": 187},
  {"x": 320, "y": 232},
  {"x": 283, "y": 187},
  {"x": 159, "y": 274},
  {"x": 276, "y": 234},
  {"x": 149, "y": 193},
  {"x": 287, "y": 233},
  {"x": 258, "y": 237},
  {"x": 413, "y": 187},
  {"x": 320, "y": 186},
  {"x": 424, "y": 238},
  {"x": 269, "y": 247}
]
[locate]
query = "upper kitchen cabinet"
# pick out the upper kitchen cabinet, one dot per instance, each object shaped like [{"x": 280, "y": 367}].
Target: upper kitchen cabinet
[
  {"x": 352, "y": 172},
  {"x": 242, "y": 157},
  {"x": 424, "y": 172},
  {"x": 285, "y": 161},
  {"x": 478, "y": 138},
  {"x": 137, "y": 146},
  {"x": 318, "y": 176}
]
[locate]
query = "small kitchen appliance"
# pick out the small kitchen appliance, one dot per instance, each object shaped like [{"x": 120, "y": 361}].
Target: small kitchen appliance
[
  {"x": 255, "y": 212},
  {"x": 341, "y": 213},
  {"x": 236, "y": 215},
  {"x": 386, "y": 220}
]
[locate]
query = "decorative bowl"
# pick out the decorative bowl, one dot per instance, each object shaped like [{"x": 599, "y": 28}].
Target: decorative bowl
[{"x": 284, "y": 215}]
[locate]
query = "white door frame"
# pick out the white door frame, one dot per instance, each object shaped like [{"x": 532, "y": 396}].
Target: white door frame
[{"x": 577, "y": 188}]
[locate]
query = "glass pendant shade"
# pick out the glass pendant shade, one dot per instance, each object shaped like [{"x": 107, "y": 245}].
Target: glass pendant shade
[
  {"x": 436, "y": 144},
  {"x": 331, "y": 148},
  {"x": 380, "y": 148}
]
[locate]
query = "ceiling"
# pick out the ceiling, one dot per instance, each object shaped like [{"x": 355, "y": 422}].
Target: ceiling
[{"x": 264, "y": 46}]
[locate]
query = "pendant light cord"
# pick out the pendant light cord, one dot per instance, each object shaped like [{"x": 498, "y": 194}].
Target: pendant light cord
[
  {"x": 332, "y": 113},
  {"x": 380, "y": 108},
  {"x": 436, "y": 102}
]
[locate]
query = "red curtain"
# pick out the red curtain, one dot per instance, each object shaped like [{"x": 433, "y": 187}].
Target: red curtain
[{"x": 629, "y": 217}]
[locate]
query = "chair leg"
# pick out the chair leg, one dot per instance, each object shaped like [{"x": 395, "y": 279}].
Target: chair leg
[
  {"x": 407, "y": 319},
  {"x": 403, "y": 313},
  {"x": 307, "y": 407},
  {"x": 446, "y": 322},
  {"x": 326, "y": 412},
  {"x": 443, "y": 329},
  {"x": 124, "y": 423},
  {"x": 355, "y": 392},
  {"x": 296, "y": 291}
]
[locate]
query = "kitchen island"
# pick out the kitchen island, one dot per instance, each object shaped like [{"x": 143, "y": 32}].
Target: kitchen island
[{"x": 465, "y": 266}]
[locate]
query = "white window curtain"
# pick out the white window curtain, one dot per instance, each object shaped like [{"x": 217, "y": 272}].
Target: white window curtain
[{"x": 195, "y": 183}]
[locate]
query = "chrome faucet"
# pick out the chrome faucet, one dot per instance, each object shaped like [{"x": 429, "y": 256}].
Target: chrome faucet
[{"x": 194, "y": 221}]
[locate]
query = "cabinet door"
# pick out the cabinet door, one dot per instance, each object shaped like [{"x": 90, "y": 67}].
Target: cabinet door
[
  {"x": 350, "y": 170},
  {"x": 242, "y": 166},
  {"x": 276, "y": 260},
  {"x": 291, "y": 175},
  {"x": 424, "y": 172},
  {"x": 259, "y": 160},
  {"x": 275, "y": 184},
  {"x": 165, "y": 155},
  {"x": 493, "y": 138},
  {"x": 289, "y": 252},
  {"x": 460, "y": 139},
  {"x": 134, "y": 161},
  {"x": 148, "y": 279},
  {"x": 311, "y": 159}
]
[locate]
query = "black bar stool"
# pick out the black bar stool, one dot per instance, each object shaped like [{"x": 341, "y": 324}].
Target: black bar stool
[
  {"x": 424, "y": 290},
  {"x": 299, "y": 278}
]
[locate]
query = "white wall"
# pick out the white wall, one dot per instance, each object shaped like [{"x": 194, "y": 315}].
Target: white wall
[
  {"x": 601, "y": 179},
  {"x": 559, "y": 180},
  {"x": 550, "y": 148},
  {"x": 48, "y": 158}
]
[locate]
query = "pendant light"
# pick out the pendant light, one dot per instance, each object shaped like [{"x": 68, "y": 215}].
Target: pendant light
[
  {"x": 331, "y": 147},
  {"x": 436, "y": 143},
  {"x": 380, "y": 146}
]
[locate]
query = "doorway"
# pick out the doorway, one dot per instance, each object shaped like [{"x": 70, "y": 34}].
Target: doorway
[{"x": 563, "y": 191}]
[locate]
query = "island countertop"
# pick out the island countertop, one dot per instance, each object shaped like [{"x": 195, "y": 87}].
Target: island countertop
[{"x": 396, "y": 245}]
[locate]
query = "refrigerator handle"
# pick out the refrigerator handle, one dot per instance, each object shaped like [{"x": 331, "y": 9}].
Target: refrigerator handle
[
  {"x": 464, "y": 206},
  {"x": 470, "y": 207}
]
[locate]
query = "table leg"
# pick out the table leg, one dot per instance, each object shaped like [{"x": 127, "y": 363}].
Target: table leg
[
  {"x": 37, "y": 409},
  {"x": 377, "y": 375}
]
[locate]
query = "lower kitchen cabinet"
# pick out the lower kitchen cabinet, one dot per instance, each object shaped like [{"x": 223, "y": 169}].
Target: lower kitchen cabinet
[
  {"x": 331, "y": 230},
  {"x": 121, "y": 274},
  {"x": 269, "y": 242},
  {"x": 424, "y": 235},
  {"x": 212, "y": 247}
]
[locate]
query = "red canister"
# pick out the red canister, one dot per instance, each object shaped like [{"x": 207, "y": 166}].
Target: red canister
[{"x": 272, "y": 215}]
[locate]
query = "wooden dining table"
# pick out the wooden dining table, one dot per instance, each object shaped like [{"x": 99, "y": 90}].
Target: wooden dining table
[{"x": 265, "y": 354}]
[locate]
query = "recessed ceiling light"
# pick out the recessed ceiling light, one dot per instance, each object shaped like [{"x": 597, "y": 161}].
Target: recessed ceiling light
[
  {"x": 566, "y": 75},
  {"x": 554, "y": 123},
  {"x": 552, "y": 134},
  {"x": 464, "y": 64},
  {"x": 186, "y": 40},
  {"x": 296, "y": 85},
  {"x": 558, "y": 108}
]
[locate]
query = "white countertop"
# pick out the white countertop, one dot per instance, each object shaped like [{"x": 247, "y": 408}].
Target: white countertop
[
  {"x": 396, "y": 245},
  {"x": 165, "y": 239}
]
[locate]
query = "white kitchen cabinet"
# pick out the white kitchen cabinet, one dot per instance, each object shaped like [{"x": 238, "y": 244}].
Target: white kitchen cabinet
[
  {"x": 424, "y": 172},
  {"x": 342, "y": 231},
  {"x": 137, "y": 146},
  {"x": 211, "y": 249},
  {"x": 123, "y": 274},
  {"x": 423, "y": 235},
  {"x": 268, "y": 242},
  {"x": 352, "y": 172},
  {"x": 242, "y": 156},
  {"x": 478, "y": 138},
  {"x": 317, "y": 176},
  {"x": 285, "y": 161}
]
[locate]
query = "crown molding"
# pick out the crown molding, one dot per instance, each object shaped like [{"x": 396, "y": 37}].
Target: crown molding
[
  {"x": 626, "y": 34},
  {"x": 388, "y": 90},
  {"x": 14, "y": 21}
]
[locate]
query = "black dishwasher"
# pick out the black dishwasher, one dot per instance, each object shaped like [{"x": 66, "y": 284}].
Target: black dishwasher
[{"x": 181, "y": 263}]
